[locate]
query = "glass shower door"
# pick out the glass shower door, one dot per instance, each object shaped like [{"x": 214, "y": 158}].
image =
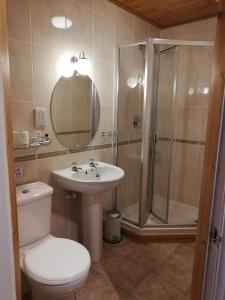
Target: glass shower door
[
  {"x": 162, "y": 129},
  {"x": 131, "y": 70}
]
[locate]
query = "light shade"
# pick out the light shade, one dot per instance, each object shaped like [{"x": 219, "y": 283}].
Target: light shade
[
  {"x": 66, "y": 67},
  {"x": 83, "y": 66}
]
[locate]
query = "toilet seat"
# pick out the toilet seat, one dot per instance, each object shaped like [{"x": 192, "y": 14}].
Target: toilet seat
[{"x": 57, "y": 261}]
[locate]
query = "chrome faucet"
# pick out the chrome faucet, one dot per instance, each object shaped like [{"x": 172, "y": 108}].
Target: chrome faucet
[
  {"x": 94, "y": 165},
  {"x": 75, "y": 167}
]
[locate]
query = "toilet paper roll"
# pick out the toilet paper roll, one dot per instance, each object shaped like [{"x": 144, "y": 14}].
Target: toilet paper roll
[{"x": 21, "y": 137}]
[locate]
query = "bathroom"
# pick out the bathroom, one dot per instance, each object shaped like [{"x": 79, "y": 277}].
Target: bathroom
[{"x": 100, "y": 86}]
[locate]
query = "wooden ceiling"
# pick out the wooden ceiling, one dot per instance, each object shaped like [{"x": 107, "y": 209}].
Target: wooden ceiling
[{"x": 167, "y": 13}]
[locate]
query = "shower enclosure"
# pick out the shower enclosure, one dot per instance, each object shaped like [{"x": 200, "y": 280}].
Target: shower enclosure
[{"x": 163, "y": 93}]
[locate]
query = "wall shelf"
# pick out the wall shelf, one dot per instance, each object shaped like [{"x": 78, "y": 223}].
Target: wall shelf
[{"x": 34, "y": 143}]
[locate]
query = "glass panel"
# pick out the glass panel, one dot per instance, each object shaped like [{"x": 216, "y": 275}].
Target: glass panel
[
  {"x": 190, "y": 121},
  {"x": 180, "y": 120},
  {"x": 163, "y": 131},
  {"x": 129, "y": 127}
]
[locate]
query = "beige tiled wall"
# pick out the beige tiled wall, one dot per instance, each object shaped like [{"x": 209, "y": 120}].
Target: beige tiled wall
[
  {"x": 35, "y": 48},
  {"x": 197, "y": 31}
]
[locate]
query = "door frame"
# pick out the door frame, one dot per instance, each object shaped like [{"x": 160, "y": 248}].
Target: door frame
[
  {"x": 213, "y": 287},
  {"x": 8, "y": 193},
  {"x": 7, "y": 282},
  {"x": 210, "y": 157}
]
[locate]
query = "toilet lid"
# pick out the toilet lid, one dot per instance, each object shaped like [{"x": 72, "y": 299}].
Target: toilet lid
[{"x": 57, "y": 261}]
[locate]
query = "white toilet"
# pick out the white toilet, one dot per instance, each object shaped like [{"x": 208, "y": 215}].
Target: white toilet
[{"x": 55, "y": 267}]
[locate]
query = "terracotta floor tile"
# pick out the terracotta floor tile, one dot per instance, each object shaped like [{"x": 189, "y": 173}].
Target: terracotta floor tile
[
  {"x": 132, "y": 271},
  {"x": 152, "y": 288},
  {"x": 123, "y": 272},
  {"x": 182, "y": 258},
  {"x": 148, "y": 256},
  {"x": 163, "y": 249},
  {"x": 124, "y": 294},
  {"x": 124, "y": 248},
  {"x": 97, "y": 287},
  {"x": 176, "y": 276}
]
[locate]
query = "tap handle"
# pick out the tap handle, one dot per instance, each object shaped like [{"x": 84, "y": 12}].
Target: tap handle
[
  {"x": 92, "y": 161},
  {"x": 74, "y": 163}
]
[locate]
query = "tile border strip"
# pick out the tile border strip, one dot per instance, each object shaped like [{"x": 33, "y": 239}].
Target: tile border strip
[
  {"x": 182, "y": 141},
  {"x": 97, "y": 147},
  {"x": 72, "y": 132},
  {"x": 60, "y": 152},
  {"x": 70, "y": 151},
  {"x": 25, "y": 158}
]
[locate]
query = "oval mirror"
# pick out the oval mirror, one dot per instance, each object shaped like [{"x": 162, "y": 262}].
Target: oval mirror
[{"x": 75, "y": 111}]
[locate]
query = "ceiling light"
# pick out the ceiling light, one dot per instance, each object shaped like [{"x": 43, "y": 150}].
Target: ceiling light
[{"x": 61, "y": 22}]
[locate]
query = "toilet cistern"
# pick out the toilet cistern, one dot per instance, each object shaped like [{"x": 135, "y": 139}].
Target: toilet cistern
[{"x": 40, "y": 251}]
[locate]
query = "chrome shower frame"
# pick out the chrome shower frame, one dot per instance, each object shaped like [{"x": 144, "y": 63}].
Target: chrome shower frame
[{"x": 148, "y": 102}]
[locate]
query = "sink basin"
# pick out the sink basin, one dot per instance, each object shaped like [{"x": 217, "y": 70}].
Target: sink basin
[
  {"x": 90, "y": 180},
  {"x": 92, "y": 183}
]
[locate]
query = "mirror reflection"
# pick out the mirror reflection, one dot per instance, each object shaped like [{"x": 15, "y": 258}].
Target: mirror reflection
[{"x": 75, "y": 111}]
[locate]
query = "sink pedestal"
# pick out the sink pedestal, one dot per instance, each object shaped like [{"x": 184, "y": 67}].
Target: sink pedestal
[
  {"x": 92, "y": 218},
  {"x": 92, "y": 184}
]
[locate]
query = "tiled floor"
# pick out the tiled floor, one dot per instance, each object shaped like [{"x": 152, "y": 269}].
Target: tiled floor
[
  {"x": 132, "y": 271},
  {"x": 179, "y": 214}
]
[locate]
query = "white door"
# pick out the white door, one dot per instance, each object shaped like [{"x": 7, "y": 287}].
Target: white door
[{"x": 214, "y": 285}]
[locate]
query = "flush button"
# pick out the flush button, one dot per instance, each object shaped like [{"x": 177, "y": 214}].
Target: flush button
[{"x": 25, "y": 191}]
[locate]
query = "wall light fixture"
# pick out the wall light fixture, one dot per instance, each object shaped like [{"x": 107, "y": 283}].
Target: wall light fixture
[{"x": 70, "y": 64}]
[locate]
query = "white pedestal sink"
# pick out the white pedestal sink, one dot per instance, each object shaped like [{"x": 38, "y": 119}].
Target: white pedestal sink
[{"x": 92, "y": 183}]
